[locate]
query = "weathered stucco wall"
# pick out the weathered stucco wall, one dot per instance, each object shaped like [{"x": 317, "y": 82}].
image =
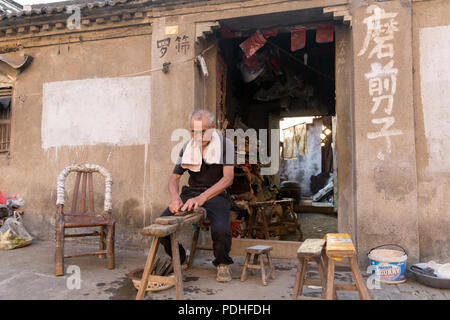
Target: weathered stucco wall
[
  {"x": 385, "y": 154},
  {"x": 431, "y": 49},
  {"x": 172, "y": 101},
  {"x": 37, "y": 157}
]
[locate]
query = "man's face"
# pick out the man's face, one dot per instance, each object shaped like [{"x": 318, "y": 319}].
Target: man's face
[{"x": 201, "y": 130}]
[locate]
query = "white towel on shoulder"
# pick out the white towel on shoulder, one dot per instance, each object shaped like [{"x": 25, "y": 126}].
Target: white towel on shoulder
[{"x": 192, "y": 155}]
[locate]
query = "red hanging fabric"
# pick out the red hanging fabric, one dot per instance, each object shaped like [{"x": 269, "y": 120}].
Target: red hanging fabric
[
  {"x": 226, "y": 33},
  {"x": 324, "y": 33},
  {"x": 253, "y": 44},
  {"x": 270, "y": 33},
  {"x": 251, "y": 62},
  {"x": 298, "y": 38}
]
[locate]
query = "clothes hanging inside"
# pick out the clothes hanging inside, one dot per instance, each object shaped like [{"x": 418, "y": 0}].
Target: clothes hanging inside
[{"x": 294, "y": 137}]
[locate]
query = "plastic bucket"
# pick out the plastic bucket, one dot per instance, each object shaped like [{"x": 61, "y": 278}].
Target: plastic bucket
[{"x": 388, "y": 266}]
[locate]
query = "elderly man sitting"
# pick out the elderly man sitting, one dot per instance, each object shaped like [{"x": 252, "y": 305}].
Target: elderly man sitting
[{"x": 209, "y": 159}]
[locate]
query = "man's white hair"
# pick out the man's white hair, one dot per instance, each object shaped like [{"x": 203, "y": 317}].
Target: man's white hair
[{"x": 198, "y": 114}]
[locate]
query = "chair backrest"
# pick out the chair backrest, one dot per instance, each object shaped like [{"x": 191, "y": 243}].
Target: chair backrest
[{"x": 84, "y": 175}]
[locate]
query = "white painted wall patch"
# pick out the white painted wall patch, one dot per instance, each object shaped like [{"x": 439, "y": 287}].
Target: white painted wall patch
[{"x": 111, "y": 111}]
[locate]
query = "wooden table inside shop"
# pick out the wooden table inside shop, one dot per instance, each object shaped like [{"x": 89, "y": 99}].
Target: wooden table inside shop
[{"x": 258, "y": 209}]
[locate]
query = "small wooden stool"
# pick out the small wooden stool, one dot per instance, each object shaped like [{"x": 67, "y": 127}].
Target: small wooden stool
[
  {"x": 166, "y": 226},
  {"x": 310, "y": 250},
  {"x": 255, "y": 253},
  {"x": 339, "y": 246}
]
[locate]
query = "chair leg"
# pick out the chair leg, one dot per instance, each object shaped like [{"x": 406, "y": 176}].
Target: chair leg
[
  {"x": 272, "y": 269},
  {"x": 301, "y": 281},
  {"x": 148, "y": 266},
  {"x": 295, "y": 293},
  {"x": 297, "y": 224},
  {"x": 250, "y": 225},
  {"x": 102, "y": 244},
  {"x": 265, "y": 224},
  {"x": 244, "y": 270},
  {"x": 176, "y": 266},
  {"x": 263, "y": 272},
  {"x": 59, "y": 250},
  {"x": 322, "y": 276},
  {"x": 330, "y": 280},
  {"x": 360, "y": 285},
  {"x": 110, "y": 245},
  {"x": 193, "y": 247},
  {"x": 252, "y": 261},
  {"x": 325, "y": 270}
]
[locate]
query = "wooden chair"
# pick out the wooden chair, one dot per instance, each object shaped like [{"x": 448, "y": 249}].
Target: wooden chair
[
  {"x": 310, "y": 250},
  {"x": 256, "y": 253},
  {"x": 84, "y": 216}
]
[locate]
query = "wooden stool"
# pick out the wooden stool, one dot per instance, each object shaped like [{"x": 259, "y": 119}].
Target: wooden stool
[
  {"x": 310, "y": 250},
  {"x": 166, "y": 226},
  {"x": 339, "y": 246},
  {"x": 258, "y": 263}
]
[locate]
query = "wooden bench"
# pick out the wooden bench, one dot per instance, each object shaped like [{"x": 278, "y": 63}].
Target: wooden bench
[
  {"x": 256, "y": 253},
  {"x": 339, "y": 246},
  {"x": 167, "y": 226},
  {"x": 310, "y": 250}
]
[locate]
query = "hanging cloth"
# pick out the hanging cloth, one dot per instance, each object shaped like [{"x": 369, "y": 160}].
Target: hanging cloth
[
  {"x": 294, "y": 137},
  {"x": 253, "y": 44},
  {"x": 298, "y": 38},
  {"x": 289, "y": 144},
  {"x": 324, "y": 33},
  {"x": 300, "y": 137}
]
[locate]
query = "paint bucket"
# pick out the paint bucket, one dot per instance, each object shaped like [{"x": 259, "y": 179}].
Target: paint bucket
[{"x": 388, "y": 266}]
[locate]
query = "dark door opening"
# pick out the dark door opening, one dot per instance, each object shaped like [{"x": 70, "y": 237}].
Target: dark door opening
[{"x": 290, "y": 90}]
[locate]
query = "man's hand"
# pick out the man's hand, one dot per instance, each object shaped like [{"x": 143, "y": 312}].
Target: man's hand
[
  {"x": 175, "y": 205},
  {"x": 194, "y": 203}
]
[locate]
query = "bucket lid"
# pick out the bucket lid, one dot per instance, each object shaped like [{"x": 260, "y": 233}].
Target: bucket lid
[{"x": 387, "y": 255}]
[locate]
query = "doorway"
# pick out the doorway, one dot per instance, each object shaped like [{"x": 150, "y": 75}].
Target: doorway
[{"x": 272, "y": 83}]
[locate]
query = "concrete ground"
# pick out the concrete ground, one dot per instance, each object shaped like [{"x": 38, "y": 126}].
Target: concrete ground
[{"x": 27, "y": 273}]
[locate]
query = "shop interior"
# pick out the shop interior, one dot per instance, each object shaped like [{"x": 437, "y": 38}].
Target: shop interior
[{"x": 274, "y": 75}]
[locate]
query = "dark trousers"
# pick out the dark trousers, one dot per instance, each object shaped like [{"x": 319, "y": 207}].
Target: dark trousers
[{"x": 218, "y": 213}]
